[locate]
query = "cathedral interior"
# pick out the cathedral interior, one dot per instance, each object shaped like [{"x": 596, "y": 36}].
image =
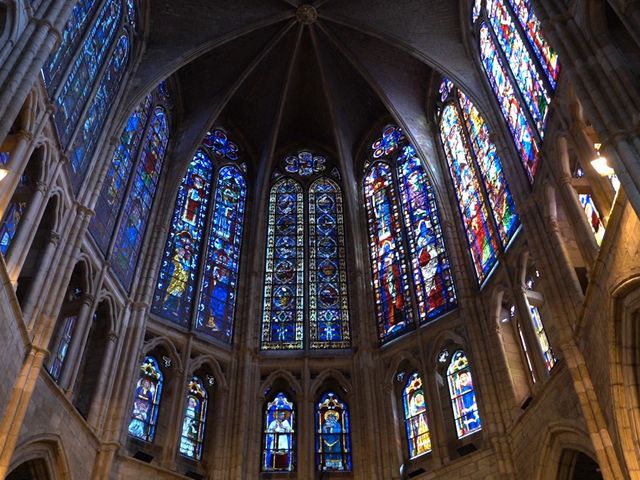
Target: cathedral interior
[{"x": 328, "y": 239}]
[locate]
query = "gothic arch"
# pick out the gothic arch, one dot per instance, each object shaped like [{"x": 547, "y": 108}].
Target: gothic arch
[
  {"x": 212, "y": 364},
  {"x": 402, "y": 357},
  {"x": 448, "y": 337},
  {"x": 107, "y": 297},
  {"x": 283, "y": 376},
  {"x": 624, "y": 355},
  {"x": 326, "y": 379},
  {"x": 559, "y": 438},
  {"x": 47, "y": 449},
  {"x": 165, "y": 343}
]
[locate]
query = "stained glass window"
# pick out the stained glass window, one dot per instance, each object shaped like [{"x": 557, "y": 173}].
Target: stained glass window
[
  {"x": 177, "y": 279},
  {"x": 333, "y": 442},
  {"x": 220, "y": 279},
  {"x": 279, "y": 452},
  {"x": 523, "y": 342},
  {"x": 305, "y": 163},
  {"x": 283, "y": 313},
  {"x": 71, "y": 36},
  {"x": 593, "y": 216},
  {"x": 4, "y": 158},
  {"x": 194, "y": 419},
  {"x": 10, "y": 222},
  {"x": 522, "y": 70},
  {"x": 388, "y": 258},
  {"x": 138, "y": 207},
  {"x": 87, "y": 138},
  {"x": 402, "y": 210},
  {"x": 463, "y": 396},
  {"x": 328, "y": 301},
  {"x": 82, "y": 76},
  {"x": 146, "y": 401},
  {"x": 63, "y": 347},
  {"x": 115, "y": 184},
  {"x": 415, "y": 417},
  {"x": 541, "y": 335},
  {"x": 479, "y": 181}
]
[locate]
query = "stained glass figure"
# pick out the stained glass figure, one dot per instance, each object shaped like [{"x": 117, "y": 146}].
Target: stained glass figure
[
  {"x": 221, "y": 146},
  {"x": 282, "y": 321},
  {"x": 534, "y": 92},
  {"x": 391, "y": 137},
  {"x": 4, "y": 158},
  {"x": 541, "y": 335},
  {"x": 445, "y": 89},
  {"x": 333, "y": 442},
  {"x": 177, "y": 278},
  {"x": 279, "y": 454},
  {"x": 328, "y": 300},
  {"x": 87, "y": 138},
  {"x": 138, "y": 207},
  {"x": 463, "y": 396},
  {"x": 388, "y": 259},
  {"x": 63, "y": 347},
  {"x": 115, "y": 184},
  {"x": 481, "y": 239},
  {"x": 593, "y": 217},
  {"x": 415, "y": 417},
  {"x": 305, "y": 163},
  {"x": 217, "y": 301},
  {"x": 146, "y": 401},
  {"x": 521, "y": 132},
  {"x": 475, "y": 13},
  {"x": 10, "y": 222},
  {"x": 194, "y": 419},
  {"x": 78, "y": 85},
  {"x": 530, "y": 24},
  {"x": 432, "y": 278}
]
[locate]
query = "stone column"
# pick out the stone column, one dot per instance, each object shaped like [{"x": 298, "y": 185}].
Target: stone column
[
  {"x": 16, "y": 166},
  {"x": 99, "y": 397}
]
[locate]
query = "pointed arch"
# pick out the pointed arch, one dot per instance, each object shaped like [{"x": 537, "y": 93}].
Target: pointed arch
[
  {"x": 279, "y": 435},
  {"x": 415, "y": 416},
  {"x": 333, "y": 434},
  {"x": 462, "y": 395},
  {"x": 194, "y": 419},
  {"x": 146, "y": 402}
]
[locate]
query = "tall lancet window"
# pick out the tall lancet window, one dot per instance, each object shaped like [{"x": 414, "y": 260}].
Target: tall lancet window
[
  {"x": 194, "y": 419},
  {"x": 522, "y": 70},
  {"x": 83, "y": 75},
  {"x": 406, "y": 244},
  {"x": 146, "y": 400},
  {"x": 305, "y": 293},
  {"x": 463, "y": 395},
  {"x": 333, "y": 436},
  {"x": 197, "y": 282},
  {"x": 415, "y": 416},
  {"x": 279, "y": 444},
  {"x": 485, "y": 201}
]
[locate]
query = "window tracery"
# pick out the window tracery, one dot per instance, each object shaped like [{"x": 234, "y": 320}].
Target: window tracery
[{"x": 402, "y": 210}]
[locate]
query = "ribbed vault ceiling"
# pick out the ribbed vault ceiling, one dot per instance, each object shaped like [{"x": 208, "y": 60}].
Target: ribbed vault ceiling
[{"x": 288, "y": 76}]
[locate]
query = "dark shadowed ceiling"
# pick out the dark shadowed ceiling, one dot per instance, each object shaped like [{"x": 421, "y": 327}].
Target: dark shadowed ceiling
[{"x": 289, "y": 75}]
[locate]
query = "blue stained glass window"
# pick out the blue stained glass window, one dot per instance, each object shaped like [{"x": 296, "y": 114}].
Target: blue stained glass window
[
  {"x": 79, "y": 83},
  {"x": 10, "y": 222},
  {"x": 220, "y": 279},
  {"x": 279, "y": 452},
  {"x": 71, "y": 36},
  {"x": 541, "y": 336},
  {"x": 177, "y": 279},
  {"x": 115, "y": 184},
  {"x": 521, "y": 132},
  {"x": 328, "y": 300},
  {"x": 333, "y": 435},
  {"x": 490, "y": 167},
  {"x": 87, "y": 139},
  {"x": 388, "y": 259},
  {"x": 63, "y": 347},
  {"x": 283, "y": 311},
  {"x": 463, "y": 395},
  {"x": 305, "y": 163},
  {"x": 220, "y": 144},
  {"x": 415, "y": 417},
  {"x": 146, "y": 401},
  {"x": 4, "y": 158},
  {"x": 136, "y": 211},
  {"x": 432, "y": 278},
  {"x": 522, "y": 66},
  {"x": 194, "y": 420},
  {"x": 481, "y": 239}
]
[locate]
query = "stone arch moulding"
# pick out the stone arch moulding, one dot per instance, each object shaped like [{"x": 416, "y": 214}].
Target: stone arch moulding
[
  {"x": 167, "y": 344},
  {"x": 624, "y": 355},
  {"x": 46, "y": 448},
  {"x": 400, "y": 358},
  {"x": 284, "y": 375},
  {"x": 320, "y": 384},
  {"x": 212, "y": 363},
  {"x": 558, "y": 438}
]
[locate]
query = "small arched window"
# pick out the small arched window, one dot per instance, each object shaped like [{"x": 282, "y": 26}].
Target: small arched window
[
  {"x": 484, "y": 198},
  {"x": 404, "y": 229},
  {"x": 463, "y": 395},
  {"x": 279, "y": 452},
  {"x": 522, "y": 70},
  {"x": 146, "y": 400},
  {"x": 333, "y": 435},
  {"x": 534, "y": 299},
  {"x": 415, "y": 417},
  {"x": 194, "y": 419},
  {"x": 201, "y": 259}
]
